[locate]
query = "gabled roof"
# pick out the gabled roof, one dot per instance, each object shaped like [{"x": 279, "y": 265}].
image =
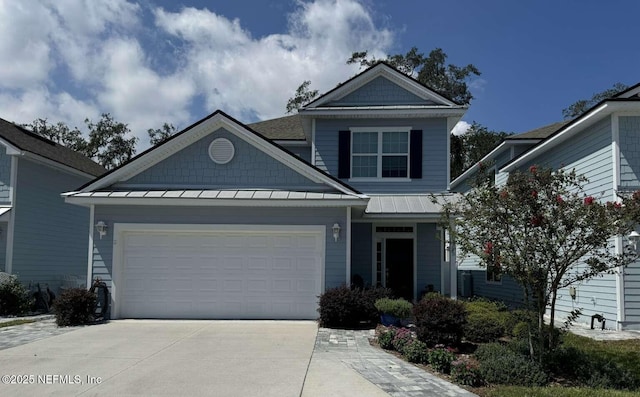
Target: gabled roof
[
  {"x": 19, "y": 140},
  {"x": 540, "y": 132},
  {"x": 281, "y": 129},
  {"x": 202, "y": 128},
  {"x": 602, "y": 109},
  {"x": 385, "y": 70}
]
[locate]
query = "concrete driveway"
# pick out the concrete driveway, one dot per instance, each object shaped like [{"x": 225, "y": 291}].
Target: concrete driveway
[{"x": 170, "y": 358}]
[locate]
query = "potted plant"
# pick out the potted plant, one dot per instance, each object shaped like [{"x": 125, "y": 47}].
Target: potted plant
[{"x": 393, "y": 311}]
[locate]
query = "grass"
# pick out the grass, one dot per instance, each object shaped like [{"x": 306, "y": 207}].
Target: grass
[
  {"x": 624, "y": 352},
  {"x": 15, "y": 322},
  {"x": 551, "y": 391}
]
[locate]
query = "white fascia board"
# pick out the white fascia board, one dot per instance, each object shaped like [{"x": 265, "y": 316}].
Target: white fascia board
[
  {"x": 392, "y": 75},
  {"x": 506, "y": 144},
  {"x": 87, "y": 201},
  {"x": 497, "y": 150},
  {"x": 396, "y": 112},
  {"x": 11, "y": 149},
  {"x": 200, "y": 131},
  {"x": 564, "y": 134}
]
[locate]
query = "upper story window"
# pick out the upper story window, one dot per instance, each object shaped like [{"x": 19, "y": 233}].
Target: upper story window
[{"x": 380, "y": 153}]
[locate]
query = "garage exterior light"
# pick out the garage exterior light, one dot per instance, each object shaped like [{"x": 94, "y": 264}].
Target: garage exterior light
[
  {"x": 336, "y": 231},
  {"x": 101, "y": 228}
]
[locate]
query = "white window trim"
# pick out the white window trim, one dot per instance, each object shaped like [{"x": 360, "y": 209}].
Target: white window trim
[{"x": 379, "y": 154}]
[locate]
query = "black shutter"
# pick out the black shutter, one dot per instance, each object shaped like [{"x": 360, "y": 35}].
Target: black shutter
[
  {"x": 344, "y": 154},
  {"x": 415, "y": 154}
]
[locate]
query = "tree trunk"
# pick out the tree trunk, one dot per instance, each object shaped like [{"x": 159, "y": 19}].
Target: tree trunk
[{"x": 554, "y": 295}]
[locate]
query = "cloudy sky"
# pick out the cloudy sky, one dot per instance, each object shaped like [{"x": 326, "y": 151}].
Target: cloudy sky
[{"x": 149, "y": 61}]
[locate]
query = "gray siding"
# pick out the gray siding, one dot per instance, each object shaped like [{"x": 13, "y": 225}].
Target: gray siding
[
  {"x": 629, "y": 128},
  {"x": 434, "y": 153},
  {"x": 250, "y": 167},
  {"x": 380, "y": 91},
  {"x": 362, "y": 251},
  {"x": 507, "y": 291},
  {"x": 429, "y": 257},
  {"x": 3, "y": 244},
  {"x": 335, "y": 264},
  {"x": 50, "y": 236},
  {"x": 632, "y": 294},
  {"x": 5, "y": 176},
  {"x": 304, "y": 152}
]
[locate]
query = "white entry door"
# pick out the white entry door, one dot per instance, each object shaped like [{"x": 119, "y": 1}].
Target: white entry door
[{"x": 262, "y": 273}]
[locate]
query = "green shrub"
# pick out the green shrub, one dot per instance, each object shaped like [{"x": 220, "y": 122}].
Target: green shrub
[
  {"x": 439, "y": 320},
  {"x": 15, "y": 299},
  {"x": 343, "y": 307},
  {"x": 519, "y": 320},
  {"x": 440, "y": 359},
  {"x": 385, "y": 338},
  {"x": 416, "y": 352},
  {"x": 401, "y": 339},
  {"x": 75, "y": 306},
  {"x": 591, "y": 369},
  {"x": 466, "y": 372},
  {"x": 501, "y": 365},
  {"x": 485, "y": 321},
  {"x": 399, "y": 308}
]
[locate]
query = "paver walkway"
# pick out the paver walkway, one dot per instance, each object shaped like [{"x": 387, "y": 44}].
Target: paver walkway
[
  {"x": 391, "y": 374},
  {"x": 17, "y": 335}
]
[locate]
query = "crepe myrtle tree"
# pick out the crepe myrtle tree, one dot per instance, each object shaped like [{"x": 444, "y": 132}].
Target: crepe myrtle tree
[{"x": 541, "y": 229}]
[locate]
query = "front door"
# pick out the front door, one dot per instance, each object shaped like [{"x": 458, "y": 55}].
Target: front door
[{"x": 399, "y": 266}]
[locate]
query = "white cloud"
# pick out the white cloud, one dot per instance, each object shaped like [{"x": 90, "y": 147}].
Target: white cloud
[
  {"x": 66, "y": 60},
  {"x": 461, "y": 128}
]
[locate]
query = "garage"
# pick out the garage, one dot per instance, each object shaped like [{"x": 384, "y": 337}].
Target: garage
[{"x": 218, "y": 271}]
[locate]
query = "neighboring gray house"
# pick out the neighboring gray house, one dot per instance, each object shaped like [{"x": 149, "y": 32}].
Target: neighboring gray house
[
  {"x": 226, "y": 220},
  {"x": 604, "y": 145},
  {"x": 42, "y": 239}
]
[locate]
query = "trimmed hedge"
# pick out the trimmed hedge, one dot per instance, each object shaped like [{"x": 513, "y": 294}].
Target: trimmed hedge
[
  {"x": 75, "y": 306},
  {"x": 486, "y": 321},
  {"x": 439, "y": 320},
  {"x": 344, "y": 307}
]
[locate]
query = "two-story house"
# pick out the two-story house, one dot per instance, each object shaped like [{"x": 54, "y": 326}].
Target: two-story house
[
  {"x": 226, "y": 220},
  {"x": 603, "y": 144},
  {"x": 42, "y": 238}
]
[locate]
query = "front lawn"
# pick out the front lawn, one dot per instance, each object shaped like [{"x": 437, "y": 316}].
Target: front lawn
[
  {"x": 15, "y": 322},
  {"x": 514, "y": 391}
]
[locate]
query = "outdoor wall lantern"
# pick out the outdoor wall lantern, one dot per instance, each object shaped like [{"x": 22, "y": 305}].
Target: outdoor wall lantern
[
  {"x": 101, "y": 228},
  {"x": 336, "y": 232},
  {"x": 634, "y": 237}
]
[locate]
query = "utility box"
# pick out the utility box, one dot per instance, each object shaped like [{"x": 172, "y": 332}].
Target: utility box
[{"x": 466, "y": 284}]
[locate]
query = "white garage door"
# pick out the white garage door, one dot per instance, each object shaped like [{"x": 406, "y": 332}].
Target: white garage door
[{"x": 231, "y": 274}]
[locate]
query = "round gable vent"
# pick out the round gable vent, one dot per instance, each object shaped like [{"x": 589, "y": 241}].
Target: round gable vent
[{"x": 221, "y": 151}]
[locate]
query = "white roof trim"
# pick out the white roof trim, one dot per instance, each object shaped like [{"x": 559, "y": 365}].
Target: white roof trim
[
  {"x": 584, "y": 121},
  {"x": 633, "y": 92},
  {"x": 218, "y": 198},
  {"x": 381, "y": 70},
  {"x": 12, "y": 150},
  {"x": 199, "y": 131},
  {"x": 507, "y": 143},
  {"x": 386, "y": 111}
]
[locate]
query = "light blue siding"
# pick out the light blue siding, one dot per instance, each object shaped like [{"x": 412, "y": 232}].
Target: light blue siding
[
  {"x": 304, "y": 152},
  {"x": 50, "y": 236},
  {"x": 507, "y": 291},
  {"x": 380, "y": 91},
  {"x": 250, "y": 168},
  {"x": 589, "y": 152},
  {"x": 3, "y": 244},
  {"x": 629, "y": 128},
  {"x": 335, "y": 254},
  {"x": 362, "y": 251},
  {"x": 5, "y": 176},
  {"x": 429, "y": 251},
  {"x": 434, "y": 153},
  {"x": 632, "y": 295}
]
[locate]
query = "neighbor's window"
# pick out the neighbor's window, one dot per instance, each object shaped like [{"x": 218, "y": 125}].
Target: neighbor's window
[
  {"x": 380, "y": 153},
  {"x": 491, "y": 258}
]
